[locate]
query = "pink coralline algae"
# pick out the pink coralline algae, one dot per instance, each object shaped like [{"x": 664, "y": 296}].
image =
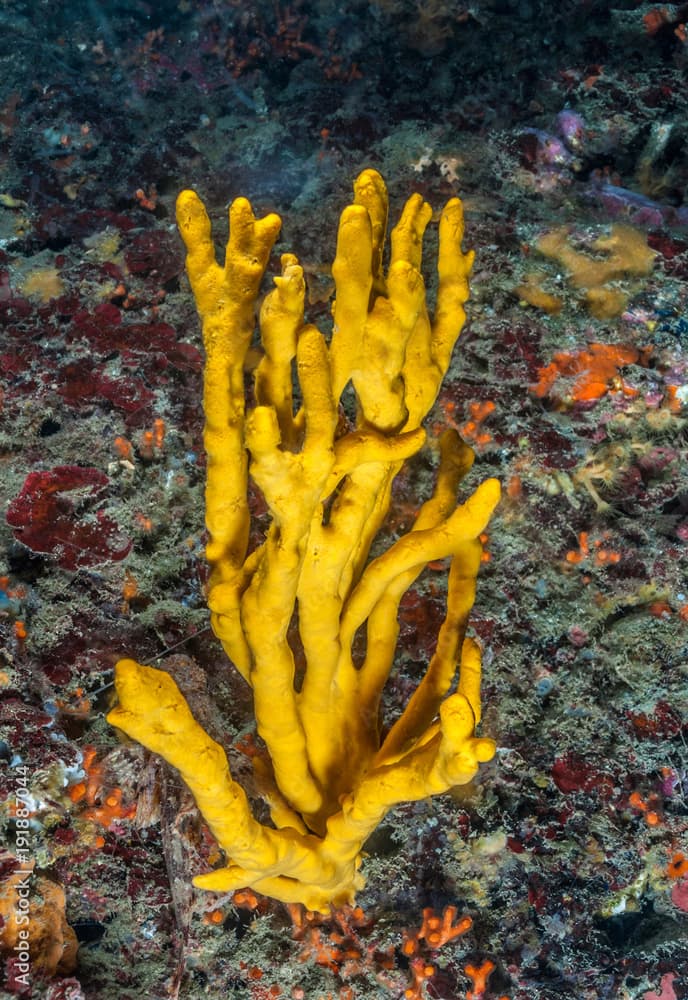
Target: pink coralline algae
[
  {"x": 667, "y": 989},
  {"x": 59, "y": 513},
  {"x": 679, "y": 895}
]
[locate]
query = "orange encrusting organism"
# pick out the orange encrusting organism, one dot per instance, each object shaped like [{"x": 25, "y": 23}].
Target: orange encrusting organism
[
  {"x": 594, "y": 371},
  {"x": 677, "y": 866}
]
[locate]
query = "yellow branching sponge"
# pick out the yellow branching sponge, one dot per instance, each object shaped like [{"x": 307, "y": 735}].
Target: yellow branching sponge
[{"x": 327, "y": 775}]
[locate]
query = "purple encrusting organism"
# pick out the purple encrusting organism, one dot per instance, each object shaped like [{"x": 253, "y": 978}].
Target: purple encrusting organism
[
  {"x": 636, "y": 207},
  {"x": 571, "y": 127}
]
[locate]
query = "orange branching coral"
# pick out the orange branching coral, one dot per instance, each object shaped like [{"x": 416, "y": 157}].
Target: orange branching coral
[
  {"x": 593, "y": 371},
  {"x": 479, "y": 974},
  {"x": 339, "y": 942},
  {"x": 436, "y": 932}
]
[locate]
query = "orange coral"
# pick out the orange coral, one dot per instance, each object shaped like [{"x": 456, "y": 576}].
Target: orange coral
[
  {"x": 337, "y": 941},
  {"x": 104, "y": 807},
  {"x": 437, "y": 931},
  {"x": 473, "y": 430},
  {"x": 603, "y": 554},
  {"x": 479, "y": 974},
  {"x": 420, "y": 971}
]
